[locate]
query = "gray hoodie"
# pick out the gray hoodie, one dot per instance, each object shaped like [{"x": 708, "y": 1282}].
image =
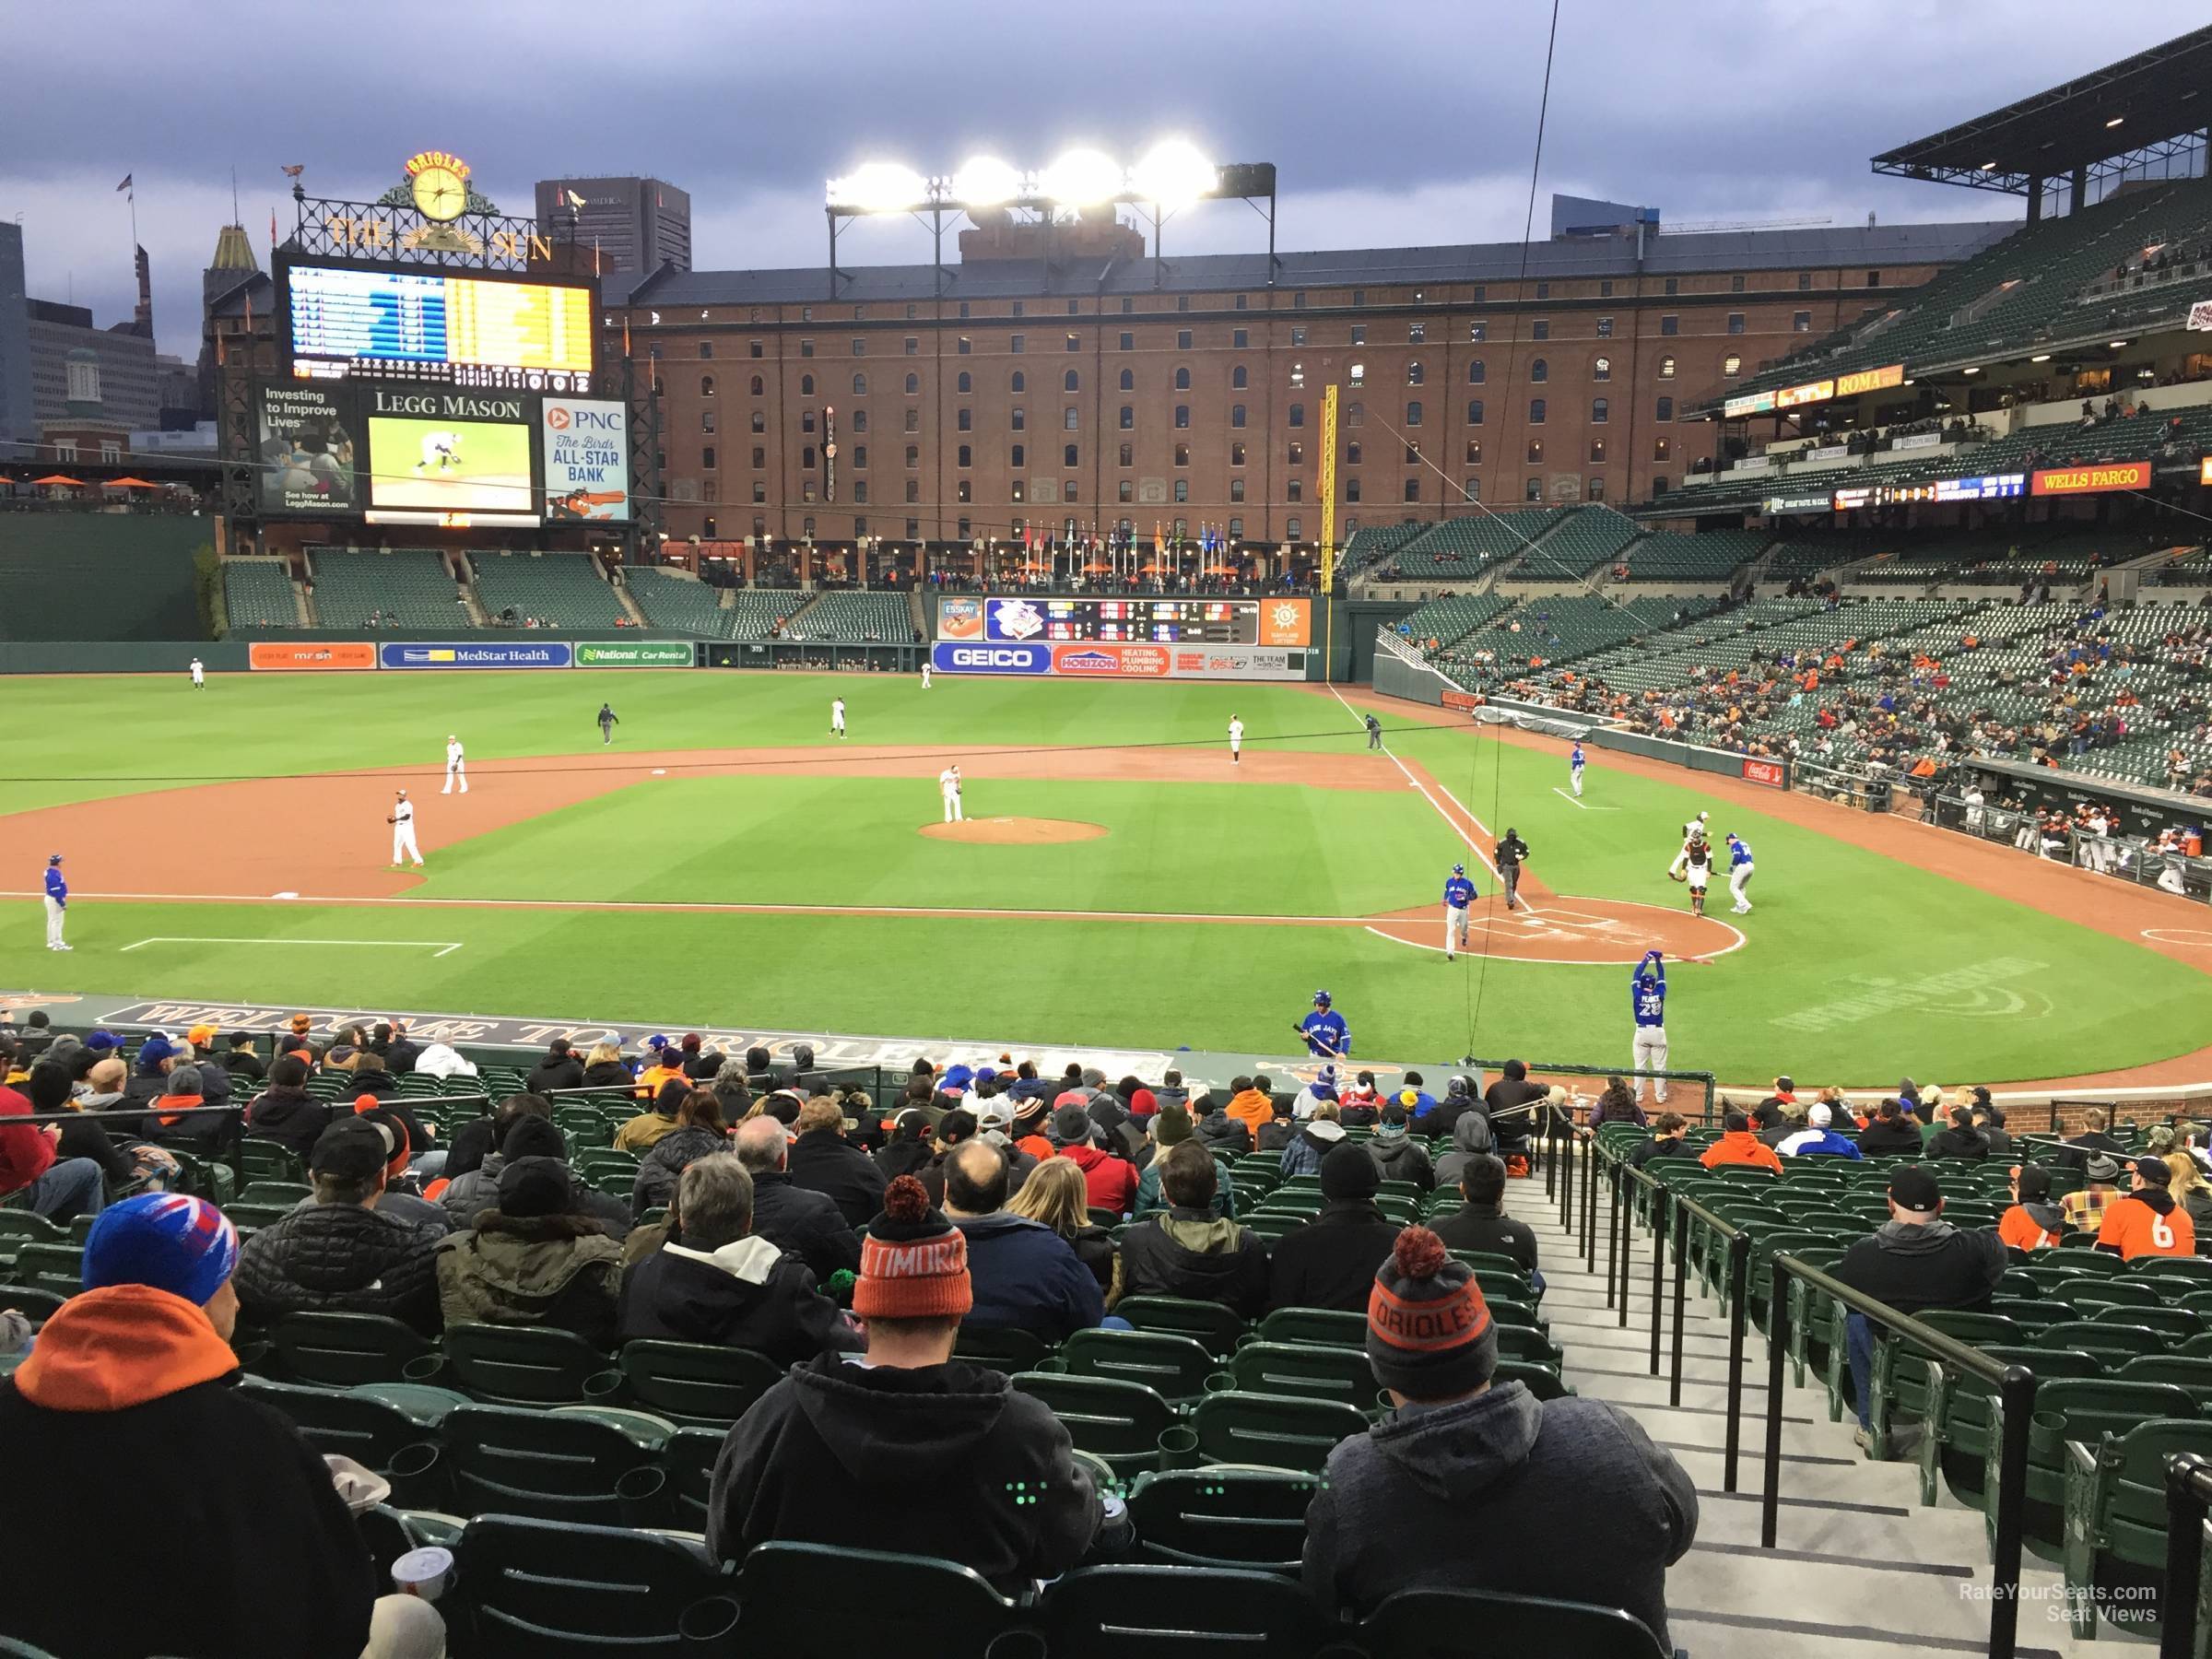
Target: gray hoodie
[
  {"x": 1400, "y": 1157},
  {"x": 1470, "y": 1135}
]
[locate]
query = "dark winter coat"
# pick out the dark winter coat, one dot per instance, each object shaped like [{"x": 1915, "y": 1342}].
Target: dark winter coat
[
  {"x": 1958, "y": 1143},
  {"x": 1470, "y": 1136},
  {"x": 1026, "y": 1277},
  {"x": 805, "y": 1223},
  {"x": 1190, "y": 1252},
  {"x": 246, "y": 1064},
  {"x": 466, "y": 1195},
  {"x": 290, "y": 1116},
  {"x": 340, "y": 1258},
  {"x": 1400, "y": 1158},
  {"x": 747, "y": 1294},
  {"x": 1486, "y": 1228},
  {"x": 257, "y": 1557},
  {"x": 1932, "y": 1265},
  {"x": 658, "y": 1169},
  {"x": 1497, "y": 1492},
  {"x": 1224, "y": 1134},
  {"x": 553, "y": 1072},
  {"x": 557, "y": 1271},
  {"x": 1882, "y": 1136},
  {"x": 823, "y": 1161},
  {"x": 1331, "y": 1260},
  {"x": 608, "y": 1074},
  {"x": 944, "y": 1460}
]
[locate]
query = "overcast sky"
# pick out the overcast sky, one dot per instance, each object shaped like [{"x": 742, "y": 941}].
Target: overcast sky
[{"x": 1408, "y": 122}]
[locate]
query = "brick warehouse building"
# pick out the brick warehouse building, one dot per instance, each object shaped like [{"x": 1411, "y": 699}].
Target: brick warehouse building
[{"x": 1108, "y": 389}]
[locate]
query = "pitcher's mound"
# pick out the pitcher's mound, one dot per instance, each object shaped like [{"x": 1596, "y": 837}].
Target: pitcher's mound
[{"x": 1016, "y": 831}]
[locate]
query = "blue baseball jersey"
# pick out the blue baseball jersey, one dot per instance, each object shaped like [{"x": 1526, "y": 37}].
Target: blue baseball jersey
[
  {"x": 1327, "y": 1032},
  {"x": 56, "y": 888},
  {"x": 1576, "y": 759},
  {"x": 1459, "y": 892},
  {"x": 1647, "y": 993},
  {"x": 1739, "y": 853}
]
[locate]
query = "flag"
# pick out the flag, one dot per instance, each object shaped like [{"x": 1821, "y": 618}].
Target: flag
[
  {"x": 125, "y": 185},
  {"x": 293, "y": 172},
  {"x": 272, "y": 228}
]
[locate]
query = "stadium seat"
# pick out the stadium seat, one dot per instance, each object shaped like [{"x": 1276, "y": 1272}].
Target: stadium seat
[
  {"x": 55, "y": 1267},
  {"x": 694, "y": 1384},
  {"x": 1215, "y": 1327},
  {"x": 504, "y": 1460},
  {"x": 338, "y": 1350},
  {"x": 1306, "y": 1370},
  {"x": 2116, "y": 1529},
  {"x": 688, "y": 1457},
  {"x": 1155, "y": 1612},
  {"x": 1327, "y": 1326},
  {"x": 2083, "y": 1410},
  {"x": 1175, "y": 1367},
  {"x": 1273, "y": 1432},
  {"x": 547, "y": 1590},
  {"x": 798, "y": 1602},
  {"x": 357, "y": 1425},
  {"x": 1121, "y": 1423},
  {"x": 1009, "y": 1350},
  {"x": 1223, "y": 1517},
  {"x": 527, "y": 1365}
]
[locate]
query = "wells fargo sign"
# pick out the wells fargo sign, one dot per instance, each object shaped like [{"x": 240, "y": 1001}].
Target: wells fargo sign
[{"x": 2091, "y": 480}]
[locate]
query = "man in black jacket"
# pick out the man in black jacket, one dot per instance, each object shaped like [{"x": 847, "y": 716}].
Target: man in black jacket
[
  {"x": 136, "y": 1374},
  {"x": 787, "y": 1215},
  {"x": 1670, "y": 1138},
  {"x": 557, "y": 1069},
  {"x": 240, "y": 1061},
  {"x": 1891, "y": 1130},
  {"x": 1962, "y": 1139},
  {"x": 1483, "y": 1223},
  {"x": 720, "y": 1283},
  {"x": 1331, "y": 1260},
  {"x": 2076, "y": 1152},
  {"x": 822, "y": 1160},
  {"x": 1512, "y": 1105},
  {"x": 1190, "y": 1251},
  {"x": 338, "y": 1253}
]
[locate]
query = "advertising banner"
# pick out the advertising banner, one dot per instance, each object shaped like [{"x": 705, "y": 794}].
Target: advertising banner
[
  {"x": 1015, "y": 619},
  {"x": 1827, "y": 451},
  {"x": 586, "y": 447},
  {"x": 1234, "y": 662},
  {"x": 305, "y": 655},
  {"x": 1110, "y": 662},
  {"x": 1913, "y": 440},
  {"x": 306, "y": 450},
  {"x": 1461, "y": 700},
  {"x": 950, "y": 657},
  {"x": 1750, "y": 403},
  {"x": 634, "y": 653},
  {"x": 448, "y": 457},
  {"x": 2091, "y": 480},
  {"x": 494, "y": 653},
  {"x": 1800, "y": 503},
  {"x": 1286, "y": 621},
  {"x": 1870, "y": 380},
  {"x": 1770, "y": 773},
  {"x": 960, "y": 619},
  {"x": 2200, "y": 315}
]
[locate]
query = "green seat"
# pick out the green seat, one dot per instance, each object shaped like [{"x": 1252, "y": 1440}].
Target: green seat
[
  {"x": 799, "y": 1603},
  {"x": 1009, "y": 1350},
  {"x": 1306, "y": 1370},
  {"x": 1518, "y": 1342},
  {"x": 2192, "y": 1371},
  {"x": 1485, "y": 1261},
  {"x": 1329, "y": 1327},
  {"x": 527, "y": 1365},
  {"x": 1954, "y": 1449},
  {"x": 1209, "y": 1323},
  {"x": 546, "y": 1590},
  {"x": 1541, "y": 1381},
  {"x": 1174, "y": 1366},
  {"x": 1898, "y": 1392},
  {"x": 510, "y": 1461},
  {"x": 1273, "y": 1432},
  {"x": 246, "y": 1215},
  {"x": 1118, "y": 1422},
  {"x": 1154, "y": 1612},
  {"x": 1479, "y": 1624},
  {"x": 37, "y": 1306},
  {"x": 260, "y": 1158},
  {"x": 2083, "y": 1410},
  {"x": 55, "y": 1267},
  {"x": 2177, "y": 1325},
  {"x": 2130, "y": 1292},
  {"x": 373, "y": 1434},
  {"x": 2116, "y": 1537},
  {"x": 1223, "y": 1517},
  {"x": 688, "y": 1457},
  {"x": 338, "y": 1350},
  {"x": 288, "y": 1193},
  {"x": 1271, "y": 1226},
  {"x": 695, "y": 1383},
  {"x": 2196, "y": 1267},
  {"x": 2117, "y": 1337}
]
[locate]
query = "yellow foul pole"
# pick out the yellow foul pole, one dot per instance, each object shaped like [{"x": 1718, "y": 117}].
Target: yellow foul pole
[{"x": 1328, "y": 532}]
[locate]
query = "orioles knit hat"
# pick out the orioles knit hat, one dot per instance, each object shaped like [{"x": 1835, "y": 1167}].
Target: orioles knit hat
[
  {"x": 168, "y": 1241},
  {"x": 1429, "y": 1331},
  {"x": 913, "y": 1262}
]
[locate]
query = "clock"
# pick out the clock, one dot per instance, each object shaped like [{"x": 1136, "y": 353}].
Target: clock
[{"x": 441, "y": 193}]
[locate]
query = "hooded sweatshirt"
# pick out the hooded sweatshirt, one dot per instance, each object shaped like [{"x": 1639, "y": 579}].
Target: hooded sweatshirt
[
  {"x": 290, "y": 1116},
  {"x": 925, "y": 1460},
  {"x": 1496, "y": 1492},
  {"x": 1191, "y": 1253},
  {"x": 2037, "y": 1226},
  {"x": 1251, "y": 1108},
  {"x": 1470, "y": 1136},
  {"x": 1223, "y": 1133},
  {"x": 1108, "y": 1177},
  {"x": 1954, "y": 1142},
  {"x": 1914, "y": 1265},
  {"x": 745, "y": 1294},
  {"x": 258, "y": 1556},
  {"x": 1312, "y": 1143},
  {"x": 559, "y": 1272},
  {"x": 1400, "y": 1158}
]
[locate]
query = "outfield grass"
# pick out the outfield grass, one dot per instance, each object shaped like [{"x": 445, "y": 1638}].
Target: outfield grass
[{"x": 1840, "y": 933}]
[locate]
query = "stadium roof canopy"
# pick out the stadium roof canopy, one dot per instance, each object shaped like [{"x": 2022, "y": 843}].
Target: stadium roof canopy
[{"x": 2113, "y": 120}]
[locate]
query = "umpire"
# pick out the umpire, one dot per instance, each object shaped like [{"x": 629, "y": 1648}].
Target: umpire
[{"x": 1510, "y": 854}]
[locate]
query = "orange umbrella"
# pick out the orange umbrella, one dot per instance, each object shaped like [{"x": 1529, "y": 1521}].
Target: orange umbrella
[
  {"x": 128, "y": 484},
  {"x": 57, "y": 479}
]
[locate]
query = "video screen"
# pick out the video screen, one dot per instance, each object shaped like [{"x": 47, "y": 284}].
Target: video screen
[
  {"x": 445, "y": 468},
  {"x": 305, "y": 451},
  {"x": 438, "y": 328}
]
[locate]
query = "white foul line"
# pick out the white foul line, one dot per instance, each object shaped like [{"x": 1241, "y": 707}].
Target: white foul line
[
  {"x": 1480, "y": 857},
  {"x": 435, "y": 947},
  {"x": 1567, "y": 798}
]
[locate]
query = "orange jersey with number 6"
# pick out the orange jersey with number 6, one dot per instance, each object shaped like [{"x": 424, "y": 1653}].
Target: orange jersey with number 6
[{"x": 2134, "y": 1229}]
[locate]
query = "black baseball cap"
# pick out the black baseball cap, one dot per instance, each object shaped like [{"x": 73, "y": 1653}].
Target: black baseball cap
[
  {"x": 351, "y": 1149},
  {"x": 1915, "y": 1190},
  {"x": 2154, "y": 1170}
]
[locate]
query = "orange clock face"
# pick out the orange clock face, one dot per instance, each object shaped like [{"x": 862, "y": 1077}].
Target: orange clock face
[{"x": 440, "y": 193}]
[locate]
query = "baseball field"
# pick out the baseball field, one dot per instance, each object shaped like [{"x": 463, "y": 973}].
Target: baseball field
[{"x": 1119, "y": 881}]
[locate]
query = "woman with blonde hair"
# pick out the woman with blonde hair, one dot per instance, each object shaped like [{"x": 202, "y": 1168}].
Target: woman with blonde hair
[
  {"x": 602, "y": 1067},
  {"x": 2194, "y": 1193},
  {"x": 1057, "y": 1195}
]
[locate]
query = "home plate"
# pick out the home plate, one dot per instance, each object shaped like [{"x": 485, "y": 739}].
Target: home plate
[{"x": 284, "y": 895}]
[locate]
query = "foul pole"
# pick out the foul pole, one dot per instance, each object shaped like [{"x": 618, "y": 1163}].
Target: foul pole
[{"x": 1328, "y": 532}]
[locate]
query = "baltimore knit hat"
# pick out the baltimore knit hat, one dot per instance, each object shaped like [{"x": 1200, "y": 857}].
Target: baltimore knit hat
[
  {"x": 1172, "y": 1126},
  {"x": 1429, "y": 1331},
  {"x": 913, "y": 1262},
  {"x": 169, "y": 1240},
  {"x": 1349, "y": 1171}
]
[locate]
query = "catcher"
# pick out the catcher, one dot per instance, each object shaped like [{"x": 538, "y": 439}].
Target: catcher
[{"x": 1696, "y": 869}]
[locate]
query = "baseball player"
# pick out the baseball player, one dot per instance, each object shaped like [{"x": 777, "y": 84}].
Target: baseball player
[
  {"x": 837, "y": 717},
  {"x": 456, "y": 766},
  {"x": 1236, "y": 740},
  {"x": 1696, "y": 867},
  {"x": 948, "y": 785},
  {"x": 1511, "y": 854},
  {"x": 199, "y": 675},
  {"x": 924, "y": 674},
  {"x": 1574, "y": 769},
  {"x": 57, "y": 903},
  {"x": 1459, "y": 892},
  {"x": 1693, "y": 831},
  {"x": 1374, "y": 732},
  {"x": 440, "y": 453},
  {"x": 1325, "y": 1031},
  {"x": 403, "y": 831},
  {"x": 1647, "y": 1004},
  {"x": 1739, "y": 872},
  {"x": 609, "y": 721}
]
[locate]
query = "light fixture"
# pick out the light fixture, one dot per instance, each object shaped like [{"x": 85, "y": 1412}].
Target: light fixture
[
  {"x": 1082, "y": 177},
  {"x": 2117, "y": 344},
  {"x": 878, "y": 187},
  {"x": 1989, "y": 166},
  {"x": 1174, "y": 173},
  {"x": 2115, "y": 120},
  {"x": 986, "y": 182},
  {"x": 2041, "y": 356},
  {"x": 1969, "y": 371}
]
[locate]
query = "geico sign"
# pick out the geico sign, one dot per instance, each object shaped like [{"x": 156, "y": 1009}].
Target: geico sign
[{"x": 977, "y": 657}]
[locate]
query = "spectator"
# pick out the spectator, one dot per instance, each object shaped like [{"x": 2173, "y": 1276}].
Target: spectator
[
  {"x": 1252, "y": 1103},
  {"x": 1330, "y": 1262},
  {"x": 156, "y": 1055},
  {"x": 698, "y": 1133},
  {"x": 177, "y": 1119},
  {"x": 602, "y": 1067},
  {"x": 1171, "y": 1091},
  {"x": 1481, "y": 1222},
  {"x": 1962, "y": 1139},
  {"x": 1313, "y": 1140},
  {"x": 521, "y": 1127},
  {"x": 1670, "y": 1138},
  {"x": 1470, "y": 1485},
  {"x": 1739, "y": 1148},
  {"x": 2148, "y": 1221},
  {"x": 1817, "y": 1139},
  {"x": 911, "y": 1449},
  {"x": 285, "y": 1112},
  {"x": 1399, "y": 1156},
  {"x": 2033, "y": 1222},
  {"x": 240, "y": 1061},
  {"x": 1055, "y": 1195},
  {"x": 1024, "y": 1276},
  {"x": 47, "y": 1088},
  {"x": 1441, "y": 1120},
  {"x": 1916, "y": 1261},
  {"x": 1323, "y": 1088},
  {"x": 1191, "y": 1249},
  {"x": 136, "y": 1375},
  {"x": 398, "y": 1202},
  {"x": 399, "y": 1050},
  {"x": 1171, "y": 1127},
  {"x": 370, "y": 1078},
  {"x": 789, "y": 1216},
  {"x": 2191, "y": 1188},
  {"x": 1226, "y": 1134},
  {"x": 1617, "y": 1104},
  {"x": 1513, "y": 1094},
  {"x": 2084, "y": 1208},
  {"x": 473, "y": 1143},
  {"x": 909, "y": 1148},
  {"x": 2092, "y": 1139},
  {"x": 822, "y": 1160},
  {"x": 1108, "y": 1177},
  {"x": 558, "y": 1069},
  {"x": 1892, "y": 1130},
  {"x": 733, "y": 1086},
  {"x": 715, "y": 1280},
  {"x": 1470, "y": 1139},
  {"x": 537, "y": 1259},
  {"x": 1989, "y": 1118},
  {"x": 646, "y": 1130},
  {"x": 338, "y": 1252},
  {"x": 664, "y": 1066},
  {"x": 59, "y": 1190}
]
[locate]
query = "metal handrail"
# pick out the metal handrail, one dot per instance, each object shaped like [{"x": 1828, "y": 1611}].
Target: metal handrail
[{"x": 2188, "y": 1494}]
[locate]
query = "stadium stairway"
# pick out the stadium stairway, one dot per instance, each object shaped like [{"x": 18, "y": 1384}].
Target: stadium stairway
[{"x": 1860, "y": 1571}]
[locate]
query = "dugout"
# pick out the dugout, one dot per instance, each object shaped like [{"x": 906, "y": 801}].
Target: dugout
[{"x": 2143, "y": 809}]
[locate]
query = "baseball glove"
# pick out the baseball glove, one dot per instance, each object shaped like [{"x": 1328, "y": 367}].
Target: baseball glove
[{"x": 1676, "y": 876}]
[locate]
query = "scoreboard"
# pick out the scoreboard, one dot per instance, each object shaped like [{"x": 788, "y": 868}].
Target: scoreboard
[
  {"x": 438, "y": 327},
  {"x": 1159, "y": 621}
]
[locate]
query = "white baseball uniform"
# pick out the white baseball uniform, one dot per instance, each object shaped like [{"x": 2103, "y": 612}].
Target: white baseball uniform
[
  {"x": 1695, "y": 826},
  {"x": 1236, "y": 742},
  {"x": 926, "y": 675},
  {"x": 837, "y": 715},
  {"x": 402, "y": 833},
  {"x": 199, "y": 673},
  {"x": 1698, "y": 866},
  {"x": 456, "y": 767},
  {"x": 948, "y": 785},
  {"x": 1650, "y": 1057}
]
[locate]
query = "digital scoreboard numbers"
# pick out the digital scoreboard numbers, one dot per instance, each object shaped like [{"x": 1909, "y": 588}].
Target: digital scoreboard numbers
[
  {"x": 1156, "y": 621},
  {"x": 440, "y": 328}
]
